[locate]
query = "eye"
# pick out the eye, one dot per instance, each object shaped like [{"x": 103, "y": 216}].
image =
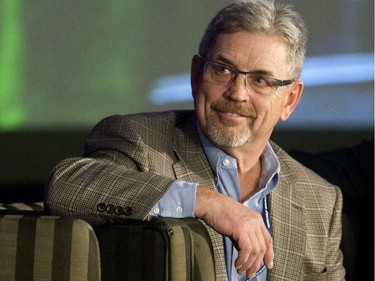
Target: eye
[
  {"x": 261, "y": 80},
  {"x": 221, "y": 69}
]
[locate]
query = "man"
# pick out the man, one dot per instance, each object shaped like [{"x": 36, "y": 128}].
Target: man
[{"x": 269, "y": 218}]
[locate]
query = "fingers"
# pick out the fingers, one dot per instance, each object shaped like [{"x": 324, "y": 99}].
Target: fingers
[
  {"x": 269, "y": 254},
  {"x": 254, "y": 249},
  {"x": 255, "y": 256},
  {"x": 244, "y": 226},
  {"x": 244, "y": 248}
]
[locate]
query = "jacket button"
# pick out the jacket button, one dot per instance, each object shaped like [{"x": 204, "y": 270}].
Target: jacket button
[
  {"x": 128, "y": 211},
  {"x": 110, "y": 208},
  {"x": 119, "y": 210},
  {"x": 101, "y": 207}
]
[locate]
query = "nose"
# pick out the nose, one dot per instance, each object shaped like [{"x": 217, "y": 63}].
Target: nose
[{"x": 238, "y": 90}]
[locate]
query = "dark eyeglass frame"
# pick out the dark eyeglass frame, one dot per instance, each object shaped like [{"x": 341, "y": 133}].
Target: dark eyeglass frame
[{"x": 272, "y": 82}]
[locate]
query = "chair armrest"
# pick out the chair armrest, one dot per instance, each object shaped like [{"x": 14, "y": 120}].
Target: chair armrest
[{"x": 160, "y": 249}]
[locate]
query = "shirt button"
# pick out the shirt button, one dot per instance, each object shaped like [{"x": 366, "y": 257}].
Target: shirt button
[
  {"x": 156, "y": 210},
  {"x": 179, "y": 210},
  {"x": 226, "y": 162}
]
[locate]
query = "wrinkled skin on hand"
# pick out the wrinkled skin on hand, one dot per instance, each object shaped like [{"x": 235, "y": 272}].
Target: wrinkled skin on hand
[{"x": 242, "y": 225}]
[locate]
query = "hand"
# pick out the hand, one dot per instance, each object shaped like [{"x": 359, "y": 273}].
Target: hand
[{"x": 242, "y": 225}]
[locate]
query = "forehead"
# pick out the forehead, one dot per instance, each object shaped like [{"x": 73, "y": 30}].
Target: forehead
[{"x": 250, "y": 51}]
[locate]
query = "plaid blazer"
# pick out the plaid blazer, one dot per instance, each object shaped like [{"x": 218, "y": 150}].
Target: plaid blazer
[{"x": 130, "y": 161}]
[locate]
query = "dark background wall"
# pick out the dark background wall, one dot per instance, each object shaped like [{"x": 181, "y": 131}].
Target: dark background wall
[{"x": 64, "y": 65}]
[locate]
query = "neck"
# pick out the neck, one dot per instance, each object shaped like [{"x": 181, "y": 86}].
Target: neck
[
  {"x": 249, "y": 167},
  {"x": 249, "y": 180},
  {"x": 247, "y": 155}
]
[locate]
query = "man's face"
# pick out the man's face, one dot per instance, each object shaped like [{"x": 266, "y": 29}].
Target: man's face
[{"x": 235, "y": 114}]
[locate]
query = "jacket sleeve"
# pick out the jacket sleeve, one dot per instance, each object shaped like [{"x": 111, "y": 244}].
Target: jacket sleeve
[
  {"x": 335, "y": 269},
  {"x": 119, "y": 177}
]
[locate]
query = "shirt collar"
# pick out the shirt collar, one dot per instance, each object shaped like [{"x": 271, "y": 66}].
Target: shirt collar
[{"x": 270, "y": 162}]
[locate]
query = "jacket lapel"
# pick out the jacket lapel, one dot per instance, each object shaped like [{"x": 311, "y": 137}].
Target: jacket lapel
[
  {"x": 288, "y": 231},
  {"x": 193, "y": 166}
]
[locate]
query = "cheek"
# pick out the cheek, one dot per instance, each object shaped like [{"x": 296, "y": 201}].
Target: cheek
[
  {"x": 276, "y": 104},
  {"x": 205, "y": 96},
  {"x": 200, "y": 106},
  {"x": 199, "y": 101},
  {"x": 268, "y": 112}
]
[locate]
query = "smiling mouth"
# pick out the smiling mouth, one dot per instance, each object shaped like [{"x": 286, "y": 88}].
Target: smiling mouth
[
  {"x": 234, "y": 114},
  {"x": 229, "y": 116},
  {"x": 233, "y": 110}
]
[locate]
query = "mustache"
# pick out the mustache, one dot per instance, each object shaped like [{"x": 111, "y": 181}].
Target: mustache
[{"x": 234, "y": 108}]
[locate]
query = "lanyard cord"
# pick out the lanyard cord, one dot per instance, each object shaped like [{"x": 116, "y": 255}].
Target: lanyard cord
[{"x": 266, "y": 216}]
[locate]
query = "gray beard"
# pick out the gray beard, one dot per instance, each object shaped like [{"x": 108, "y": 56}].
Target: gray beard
[{"x": 222, "y": 138}]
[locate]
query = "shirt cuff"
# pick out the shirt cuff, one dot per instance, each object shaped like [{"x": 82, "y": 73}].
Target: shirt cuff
[{"x": 177, "y": 202}]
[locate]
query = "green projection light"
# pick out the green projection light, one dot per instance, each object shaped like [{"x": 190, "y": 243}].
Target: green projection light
[{"x": 11, "y": 108}]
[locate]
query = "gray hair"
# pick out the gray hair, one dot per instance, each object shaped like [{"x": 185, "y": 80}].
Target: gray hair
[{"x": 261, "y": 16}]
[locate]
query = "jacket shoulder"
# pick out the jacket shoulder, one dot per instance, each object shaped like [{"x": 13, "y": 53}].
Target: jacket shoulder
[
  {"x": 130, "y": 132},
  {"x": 294, "y": 171},
  {"x": 116, "y": 125},
  {"x": 173, "y": 117}
]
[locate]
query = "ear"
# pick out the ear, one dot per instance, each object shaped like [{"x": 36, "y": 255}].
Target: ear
[
  {"x": 195, "y": 75},
  {"x": 292, "y": 99}
]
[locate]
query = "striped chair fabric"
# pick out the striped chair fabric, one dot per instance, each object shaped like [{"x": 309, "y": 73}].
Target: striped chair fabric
[
  {"x": 47, "y": 248},
  {"x": 22, "y": 208}
]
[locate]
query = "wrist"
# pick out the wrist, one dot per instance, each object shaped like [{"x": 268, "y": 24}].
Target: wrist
[{"x": 203, "y": 197}]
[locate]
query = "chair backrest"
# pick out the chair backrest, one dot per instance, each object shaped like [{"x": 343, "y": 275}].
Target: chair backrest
[{"x": 47, "y": 248}]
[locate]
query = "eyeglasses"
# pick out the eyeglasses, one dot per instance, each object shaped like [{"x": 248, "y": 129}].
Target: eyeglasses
[{"x": 225, "y": 75}]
